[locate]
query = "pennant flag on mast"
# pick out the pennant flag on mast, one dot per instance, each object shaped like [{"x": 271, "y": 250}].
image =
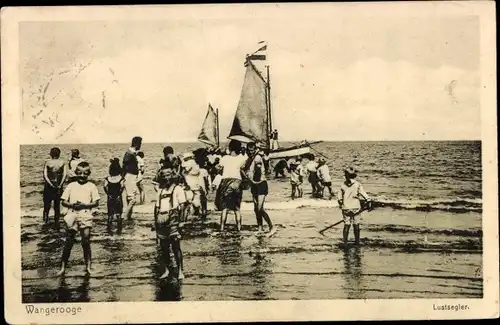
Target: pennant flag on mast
[
  {"x": 263, "y": 48},
  {"x": 260, "y": 57},
  {"x": 256, "y": 56}
]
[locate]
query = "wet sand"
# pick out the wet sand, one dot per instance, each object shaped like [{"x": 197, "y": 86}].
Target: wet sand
[{"x": 403, "y": 254}]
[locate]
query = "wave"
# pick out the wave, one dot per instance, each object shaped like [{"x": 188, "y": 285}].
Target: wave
[
  {"x": 456, "y": 205},
  {"x": 391, "y": 275},
  {"x": 424, "y": 230},
  {"x": 469, "y": 246}
]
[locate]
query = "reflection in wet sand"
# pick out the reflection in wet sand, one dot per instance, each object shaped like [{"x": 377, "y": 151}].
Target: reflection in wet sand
[
  {"x": 353, "y": 272},
  {"x": 406, "y": 252},
  {"x": 296, "y": 263},
  {"x": 229, "y": 250},
  {"x": 260, "y": 271}
]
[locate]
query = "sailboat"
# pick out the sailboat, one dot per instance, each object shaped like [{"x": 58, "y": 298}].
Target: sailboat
[
  {"x": 253, "y": 118},
  {"x": 209, "y": 134}
]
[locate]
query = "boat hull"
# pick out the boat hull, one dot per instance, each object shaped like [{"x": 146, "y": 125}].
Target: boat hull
[{"x": 291, "y": 151}]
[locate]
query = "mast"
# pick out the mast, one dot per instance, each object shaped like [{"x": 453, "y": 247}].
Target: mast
[
  {"x": 269, "y": 112},
  {"x": 217, "y": 123}
]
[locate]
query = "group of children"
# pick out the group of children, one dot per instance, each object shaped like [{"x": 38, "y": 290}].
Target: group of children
[
  {"x": 181, "y": 183},
  {"x": 317, "y": 173}
]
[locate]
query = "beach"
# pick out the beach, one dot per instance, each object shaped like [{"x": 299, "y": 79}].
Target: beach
[{"x": 422, "y": 240}]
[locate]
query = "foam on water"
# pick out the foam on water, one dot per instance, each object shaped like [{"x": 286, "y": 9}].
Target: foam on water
[{"x": 423, "y": 239}]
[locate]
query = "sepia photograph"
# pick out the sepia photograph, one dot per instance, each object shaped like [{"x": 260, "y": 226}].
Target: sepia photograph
[{"x": 244, "y": 153}]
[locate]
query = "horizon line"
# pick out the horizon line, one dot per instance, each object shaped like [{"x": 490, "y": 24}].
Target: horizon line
[{"x": 284, "y": 141}]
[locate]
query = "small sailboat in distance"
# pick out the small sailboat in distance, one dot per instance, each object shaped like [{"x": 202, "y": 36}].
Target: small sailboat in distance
[
  {"x": 209, "y": 134},
  {"x": 253, "y": 118}
]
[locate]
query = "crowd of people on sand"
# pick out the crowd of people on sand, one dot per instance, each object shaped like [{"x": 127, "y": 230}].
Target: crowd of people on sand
[{"x": 182, "y": 184}]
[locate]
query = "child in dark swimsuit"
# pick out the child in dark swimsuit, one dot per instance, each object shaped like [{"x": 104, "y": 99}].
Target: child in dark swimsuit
[{"x": 114, "y": 185}]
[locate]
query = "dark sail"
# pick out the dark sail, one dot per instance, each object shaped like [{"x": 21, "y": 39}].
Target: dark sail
[
  {"x": 251, "y": 118},
  {"x": 208, "y": 134}
]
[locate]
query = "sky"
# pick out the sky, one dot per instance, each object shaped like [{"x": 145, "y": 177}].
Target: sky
[{"x": 344, "y": 79}]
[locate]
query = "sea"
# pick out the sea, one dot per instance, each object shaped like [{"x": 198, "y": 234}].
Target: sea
[{"x": 423, "y": 239}]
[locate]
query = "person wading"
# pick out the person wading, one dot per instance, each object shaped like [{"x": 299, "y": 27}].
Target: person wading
[
  {"x": 54, "y": 175},
  {"x": 131, "y": 172},
  {"x": 350, "y": 196},
  {"x": 257, "y": 177},
  {"x": 229, "y": 192}
]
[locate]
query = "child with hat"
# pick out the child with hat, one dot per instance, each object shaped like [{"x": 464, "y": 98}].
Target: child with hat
[{"x": 350, "y": 195}]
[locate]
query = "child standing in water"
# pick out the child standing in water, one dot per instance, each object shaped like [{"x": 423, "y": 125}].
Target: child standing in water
[
  {"x": 72, "y": 163},
  {"x": 54, "y": 175},
  {"x": 80, "y": 198},
  {"x": 350, "y": 195},
  {"x": 259, "y": 187},
  {"x": 142, "y": 166},
  {"x": 114, "y": 185},
  {"x": 311, "y": 168},
  {"x": 324, "y": 177},
  {"x": 193, "y": 179},
  {"x": 171, "y": 206},
  {"x": 296, "y": 177}
]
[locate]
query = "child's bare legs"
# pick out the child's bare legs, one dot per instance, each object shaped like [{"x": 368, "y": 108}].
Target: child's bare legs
[
  {"x": 346, "y": 233},
  {"x": 258, "y": 215},
  {"x": 204, "y": 203},
  {"x": 165, "y": 252},
  {"x": 313, "y": 189},
  {"x": 319, "y": 190},
  {"x": 176, "y": 248},
  {"x": 109, "y": 223},
  {"x": 237, "y": 219},
  {"x": 87, "y": 252},
  {"x": 330, "y": 191},
  {"x": 119, "y": 223},
  {"x": 356, "y": 233},
  {"x": 294, "y": 190},
  {"x": 223, "y": 219},
  {"x": 259, "y": 200},
  {"x": 68, "y": 245},
  {"x": 57, "y": 211},
  {"x": 142, "y": 193},
  {"x": 47, "y": 202}
]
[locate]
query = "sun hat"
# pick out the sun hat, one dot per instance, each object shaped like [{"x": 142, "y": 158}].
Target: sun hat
[
  {"x": 187, "y": 155},
  {"x": 350, "y": 172}
]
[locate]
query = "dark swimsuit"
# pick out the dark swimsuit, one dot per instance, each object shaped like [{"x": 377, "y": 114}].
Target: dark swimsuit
[{"x": 115, "y": 201}]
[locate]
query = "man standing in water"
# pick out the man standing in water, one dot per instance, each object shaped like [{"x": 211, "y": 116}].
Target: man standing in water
[
  {"x": 274, "y": 140},
  {"x": 131, "y": 172},
  {"x": 257, "y": 176},
  {"x": 350, "y": 195},
  {"x": 54, "y": 175}
]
